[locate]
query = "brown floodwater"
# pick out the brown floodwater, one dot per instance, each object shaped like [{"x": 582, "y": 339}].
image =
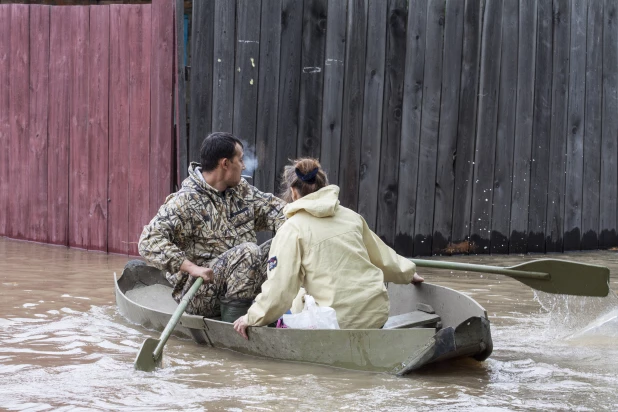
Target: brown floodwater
[{"x": 64, "y": 346}]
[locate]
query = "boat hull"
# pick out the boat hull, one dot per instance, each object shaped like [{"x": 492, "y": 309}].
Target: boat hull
[{"x": 464, "y": 329}]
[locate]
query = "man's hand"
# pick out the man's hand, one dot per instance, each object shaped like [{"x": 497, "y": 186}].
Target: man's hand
[
  {"x": 241, "y": 326},
  {"x": 198, "y": 271},
  {"x": 417, "y": 279}
]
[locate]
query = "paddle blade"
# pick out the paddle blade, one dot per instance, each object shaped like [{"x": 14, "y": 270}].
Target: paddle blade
[
  {"x": 145, "y": 360},
  {"x": 566, "y": 278}
]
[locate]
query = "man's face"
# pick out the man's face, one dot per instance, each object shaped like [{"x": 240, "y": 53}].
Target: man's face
[{"x": 235, "y": 167}]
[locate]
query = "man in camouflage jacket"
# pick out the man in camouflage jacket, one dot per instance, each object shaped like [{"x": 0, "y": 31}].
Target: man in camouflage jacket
[{"x": 208, "y": 229}]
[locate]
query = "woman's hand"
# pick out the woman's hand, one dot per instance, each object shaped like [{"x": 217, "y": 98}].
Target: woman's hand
[
  {"x": 417, "y": 279},
  {"x": 241, "y": 326}
]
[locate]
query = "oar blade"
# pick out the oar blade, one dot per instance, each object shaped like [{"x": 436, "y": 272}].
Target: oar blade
[
  {"x": 145, "y": 360},
  {"x": 567, "y": 278}
]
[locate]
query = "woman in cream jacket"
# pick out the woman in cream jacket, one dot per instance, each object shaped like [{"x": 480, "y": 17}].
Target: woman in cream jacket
[{"x": 330, "y": 251}]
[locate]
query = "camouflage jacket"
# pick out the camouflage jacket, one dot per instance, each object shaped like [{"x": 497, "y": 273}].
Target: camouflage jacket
[{"x": 199, "y": 223}]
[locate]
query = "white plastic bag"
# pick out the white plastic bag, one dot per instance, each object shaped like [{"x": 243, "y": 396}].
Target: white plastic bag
[{"x": 312, "y": 317}]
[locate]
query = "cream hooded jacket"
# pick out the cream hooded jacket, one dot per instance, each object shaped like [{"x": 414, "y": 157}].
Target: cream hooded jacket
[{"x": 331, "y": 251}]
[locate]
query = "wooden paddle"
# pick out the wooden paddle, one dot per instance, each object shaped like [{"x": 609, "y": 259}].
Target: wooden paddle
[
  {"x": 151, "y": 352},
  {"x": 547, "y": 275}
]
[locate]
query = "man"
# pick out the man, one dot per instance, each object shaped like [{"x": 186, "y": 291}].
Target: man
[{"x": 208, "y": 229}]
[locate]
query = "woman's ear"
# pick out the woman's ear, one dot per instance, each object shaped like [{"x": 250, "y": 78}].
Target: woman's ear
[{"x": 295, "y": 194}]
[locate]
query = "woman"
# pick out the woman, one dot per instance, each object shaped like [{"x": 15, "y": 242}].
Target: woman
[{"x": 330, "y": 250}]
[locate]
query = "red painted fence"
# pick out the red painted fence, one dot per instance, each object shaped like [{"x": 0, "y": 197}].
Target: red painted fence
[{"x": 86, "y": 122}]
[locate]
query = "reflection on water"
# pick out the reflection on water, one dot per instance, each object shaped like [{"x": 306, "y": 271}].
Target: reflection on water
[{"x": 63, "y": 346}]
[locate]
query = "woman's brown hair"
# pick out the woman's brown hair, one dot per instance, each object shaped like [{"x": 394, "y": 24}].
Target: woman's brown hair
[{"x": 305, "y": 175}]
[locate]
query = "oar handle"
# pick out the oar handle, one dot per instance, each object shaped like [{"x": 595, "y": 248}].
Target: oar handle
[
  {"x": 176, "y": 317},
  {"x": 480, "y": 268}
]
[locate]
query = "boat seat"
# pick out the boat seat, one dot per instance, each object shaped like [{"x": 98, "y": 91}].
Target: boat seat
[{"x": 412, "y": 320}]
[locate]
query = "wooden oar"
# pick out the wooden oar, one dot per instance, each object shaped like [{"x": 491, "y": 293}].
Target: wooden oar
[
  {"x": 151, "y": 352},
  {"x": 547, "y": 275}
]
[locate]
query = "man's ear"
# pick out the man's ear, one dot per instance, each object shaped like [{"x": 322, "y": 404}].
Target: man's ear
[{"x": 224, "y": 162}]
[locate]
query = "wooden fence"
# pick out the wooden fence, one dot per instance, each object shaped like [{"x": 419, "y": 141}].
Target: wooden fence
[
  {"x": 86, "y": 121},
  {"x": 451, "y": 126}
]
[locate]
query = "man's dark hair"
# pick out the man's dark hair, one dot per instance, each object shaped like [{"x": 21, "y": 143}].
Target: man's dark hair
[{"x": 216, "y": 146}]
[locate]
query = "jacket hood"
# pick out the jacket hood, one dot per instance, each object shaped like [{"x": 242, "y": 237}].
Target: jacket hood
[
  {"x": 322, "y": 203},
  {"x": 196, "y": 181}
]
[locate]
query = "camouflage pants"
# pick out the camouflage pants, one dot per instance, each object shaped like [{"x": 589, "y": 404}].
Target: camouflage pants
[{"x": 238, "y": 275}]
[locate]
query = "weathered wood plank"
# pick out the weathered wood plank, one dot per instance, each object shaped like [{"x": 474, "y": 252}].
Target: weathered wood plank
[
  {"x": 18, "y": 120},
  {"x": 391, "y": 119},
  {"x": 449, "y": 111},
  {"x": 140, "y": 48},
  {"x": 289, "y": 82},
  {"x": 268, "y": 97},
  {"x": 5, "y": 129},
  {"x": 575, "y": 127},
  {"x": 592, "y": 127},
  {"x": 202, "y": 43},
  {"x": 505, "y": 135},
  {"x": 78, "y": 135},
  {"x": 468, "y": 105},
  {"x": 353, "y": 92},
  {"x": 430, "y": 126},
  {"x": 223, "y": 66},
  {"x": 333, "y": 88},
  {"x": 484, "y": 158},
  {"x": 524, "y": 113},
  {"x": 98, "y": 126},
  {"x": 370, "y": 156},
  {"x": 557, "y": 148},
  {"x": 312, "y": 78},
  {"x": 609, "y": 143},
  {"x": 38, "y": 122},
  {"x": 161, "y": 102},
  {"x": 246, "y": 77},
  {"x": 118, "y": 205},
  {"x": 411, "y": 126},
  {"x": 541, "y": 128},
  {"x": 59, "y": 127},
  {"x": 182, "y": 143}
]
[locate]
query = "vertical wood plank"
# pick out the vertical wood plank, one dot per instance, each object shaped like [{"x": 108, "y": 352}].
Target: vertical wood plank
[
  {"x": 541, "y": 128},
  {"x": 430, "y": 124},
  {"x": 312, "y": 78},
  {"x": 118, "y": 206},
  {"x": 38, "y": 132},
  {"x": 161, "y": 102},
  {"x": 202, "y": 43},
  {"x": 505, "y": 136},
  {"x": 449, "y": 110},
  {"x": 353, "y": 92},
  {"x": 609, "y": 143},
  {"x": 289, "y": 82},
  {"x": 182, "y": 143},
  {"x": 5, "y": 129},
  {"x": 466, "y": 128},
  {"x": 139, "y": 119},
  {"x": 268, "y": 97},
  {"x": 575, "y": 128},
  {"x": 557, "y": 148},
  {"x": 592, "y": 127},
  {"x": 18, "y": 120},
  {"x": 59, "y": 127},
  {"x": 391, "y": 119},
  {"x": 524, "y": 113},
  {"x": 78, "y": 135},
  {"x": 333, "y": 88},
  {"x": 410, "y": 126},
  {"x": 98, "y": 126},
  {"x": 223, "y": 68},
  {"x": 245, "y": 80},
  {"x": 482, "y": 195},
  {"x": 370, "y": 156}
]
